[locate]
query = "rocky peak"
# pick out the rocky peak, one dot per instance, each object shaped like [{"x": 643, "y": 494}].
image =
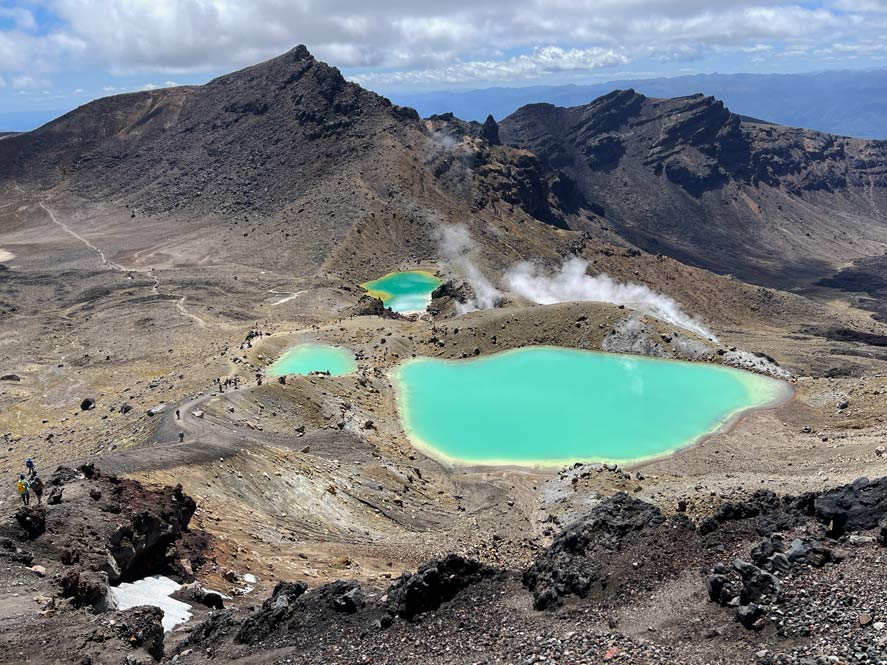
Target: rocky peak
[{"x": 490, "y": 131}]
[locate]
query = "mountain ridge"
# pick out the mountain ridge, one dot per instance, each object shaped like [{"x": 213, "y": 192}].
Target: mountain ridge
[
  {"x": 841, "y": 102},
  {"x": 689, "y": 178}
]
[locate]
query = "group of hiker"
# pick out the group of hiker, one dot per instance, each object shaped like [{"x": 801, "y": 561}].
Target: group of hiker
[
  {"x": 228, "y": 382},
  {"x": 250, "y": 336},
  {"x": 29, "y": 482}
]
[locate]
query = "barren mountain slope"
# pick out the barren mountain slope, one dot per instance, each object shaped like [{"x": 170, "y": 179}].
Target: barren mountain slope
[
  {"x": 774, "y": 205},
  {"x": 280, "y": 161}
]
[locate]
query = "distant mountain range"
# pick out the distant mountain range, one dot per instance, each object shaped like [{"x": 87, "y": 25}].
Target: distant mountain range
[{"x": 847, "y": 103}]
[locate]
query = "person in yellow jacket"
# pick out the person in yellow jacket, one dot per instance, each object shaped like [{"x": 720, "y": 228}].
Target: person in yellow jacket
[{"x": 24, "y": 489}]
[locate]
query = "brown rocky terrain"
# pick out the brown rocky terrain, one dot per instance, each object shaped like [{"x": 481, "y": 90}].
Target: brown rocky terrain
[{"x": 154, "y": 243}]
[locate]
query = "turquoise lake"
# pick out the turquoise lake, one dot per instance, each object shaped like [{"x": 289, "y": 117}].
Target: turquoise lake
[
  {"x": 408, "y": 291},
  {"x": 550, "y": 405},
  {"x": 307, "y": 358}
]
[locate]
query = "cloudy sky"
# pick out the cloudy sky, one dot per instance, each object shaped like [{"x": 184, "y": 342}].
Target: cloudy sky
[{"x": 58, "y": 54}]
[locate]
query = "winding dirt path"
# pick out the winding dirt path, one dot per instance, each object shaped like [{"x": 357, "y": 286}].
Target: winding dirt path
[
  {"x": 155, "y": 287},
  {"x": 180, "y": 305},
  {"x": 291, "y": 296},
  {"x": 104, "y": 259}
]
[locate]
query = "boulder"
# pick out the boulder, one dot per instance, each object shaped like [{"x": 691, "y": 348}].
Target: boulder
[
  {"x": 87, "y": 589},
  {"x": 858, "y": 506},
  {"x": 32, "y": 519},
  {"x": 142, "y": 627},
  {"x": 87, "y": 404},
  {"x": 757, "y": 585},
  {"x": 274, "y": 611},
  {"x": 55, "y": 496},
  {"x": 194, "y": 593},
  {"x": 10, "y": 377},
  {"x": 433, "y": 584},
  {"x": 748, "y": 615},
  {"x": 347, "y": 596}
]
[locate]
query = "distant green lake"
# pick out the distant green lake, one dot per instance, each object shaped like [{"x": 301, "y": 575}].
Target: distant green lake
[
  {"x": 307, "y": 358},
  {"x": 551, "y": 405},
  {"x": 408, "y": 291}
]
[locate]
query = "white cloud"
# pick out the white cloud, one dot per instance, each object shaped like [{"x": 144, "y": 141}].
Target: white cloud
[
  {"x": 21, "y": 17},
  {"x": 28, "y": 81},
  {"x": 541, "y": 61},
  {"x": 415, "y": 42}
]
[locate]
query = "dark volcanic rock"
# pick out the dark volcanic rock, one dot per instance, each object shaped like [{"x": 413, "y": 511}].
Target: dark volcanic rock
[
  {"x": 87, "y": 404},
  {"x": 602, "y": 548},
  {"x": 55, "y": 496},
  {"x": 757, "y": 585},
  {"x": 274, "y": 611},
  {"x": 683, "y": 176},
  {"x": 370, "y": 306},
  {"x": 858, "y": 506},
  {"x": 489, "y": 131},
  {"x": 344, "y": 596},
  {"x": 87, "y": 589},
  {"x": 142, "y": 627},
  {"x": 32, "y": 519},
  {"x": 447, "y": 298},
  {"x": 433, "y": 584}
]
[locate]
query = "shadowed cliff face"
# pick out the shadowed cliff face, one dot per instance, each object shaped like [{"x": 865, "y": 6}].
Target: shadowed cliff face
[{"x": 687, "y": 177}]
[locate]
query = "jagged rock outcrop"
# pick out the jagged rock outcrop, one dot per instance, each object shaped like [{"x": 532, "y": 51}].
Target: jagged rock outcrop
[
  {"x": 858, "y": 506},
  {"x": 687, "y": 177},
  {"x": 142, "y": 628},
  {"x": 433, "y": 584},
  {"x": 597, "y": 553},
  {"x": 111, "y": 530},
  {"x": 370, "y": 306},
  {"x": 32, "y": 520},
  {"x": 274, "y": 611},
  {"x": 450, "y": 298}
]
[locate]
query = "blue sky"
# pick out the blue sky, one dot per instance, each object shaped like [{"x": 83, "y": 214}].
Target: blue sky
[{"x": 58, "y": 54}]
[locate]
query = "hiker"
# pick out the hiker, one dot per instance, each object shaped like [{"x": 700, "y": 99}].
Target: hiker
[
  {"x": 24, "y": 489},
  {"x": 181, "y": 437},
  {"x": 29, "y": 465},
  {"x": 178, "y": 415},
  {"x": 37, "y": 486}
]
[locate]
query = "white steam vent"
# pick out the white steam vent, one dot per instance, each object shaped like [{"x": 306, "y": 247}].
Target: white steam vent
[{"x": 572, "y": 283}]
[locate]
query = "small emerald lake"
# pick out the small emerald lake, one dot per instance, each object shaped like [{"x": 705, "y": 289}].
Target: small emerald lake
[
  {"x": 408, "y": 291},
  {"x": 307, "y": 358},
  {"x": 551, "y": 405}
]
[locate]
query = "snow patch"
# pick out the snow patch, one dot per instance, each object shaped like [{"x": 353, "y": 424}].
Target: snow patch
[{"x": 155, "y": 591}]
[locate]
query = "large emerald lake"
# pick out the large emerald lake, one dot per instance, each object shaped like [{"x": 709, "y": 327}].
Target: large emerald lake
[
  {"x": 408, "y": 291},
  {"x": 550, "y": 405}
]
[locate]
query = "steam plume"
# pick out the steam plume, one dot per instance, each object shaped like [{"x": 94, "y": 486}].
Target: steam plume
[
  {"x": 571, "y": 283},
  {"x": 455, "y": 246}
]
